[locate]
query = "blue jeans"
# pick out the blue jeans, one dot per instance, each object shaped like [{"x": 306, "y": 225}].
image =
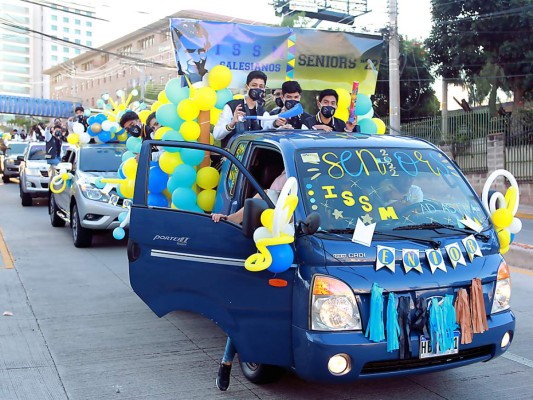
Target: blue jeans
[{"x": 229, "y": 352}]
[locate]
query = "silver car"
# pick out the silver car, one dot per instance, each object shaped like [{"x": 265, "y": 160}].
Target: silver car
[
  {"x": 82, "y": 204},
  {"x": 9, "y": 167},
  {"x": 34, "y": 171}
]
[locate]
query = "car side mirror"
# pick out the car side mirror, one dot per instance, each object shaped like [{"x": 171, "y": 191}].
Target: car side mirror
[
  {"x": 310, "y": 225},
  {"x": 20, "y": 158},
  {"x": 253, "y": 209},
  {"x": 64, "y": 165}
]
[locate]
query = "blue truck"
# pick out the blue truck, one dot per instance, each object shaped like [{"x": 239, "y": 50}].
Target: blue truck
[{"x": 416, "y": 241}]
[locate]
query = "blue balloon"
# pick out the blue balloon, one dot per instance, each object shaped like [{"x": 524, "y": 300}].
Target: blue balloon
[
  {"x": 98, "y": 183},
  {"x": 175, "y": 92},
  {"x": 368, "y": 126},
  {"x": 126, "y": 155},
  {"x": 157, "y": 180},
  {"x": 192, "y": 156},
  {"x": 512, "y": 238},
  {"x": 122, "y": 216},
  {"x": 121, "y": 173},
  {"x": 167, "y": 115},
  {"x": 282, "y": 257},
  {"x": 119, "y": 233},
  {"x": 154, "y": 163},
  {"x": 99, "y": 118},
  {"x": 184, "y": 199},
  {"x": 134, "y": 144},
  {"x": 223, "y": 96},
  {"x": 173, "y": 136},
  {"x": 363, "y": 104},
  {"x": 105, "y": 136},
  {"x": 183, "y": 176},
  {"x": 157, "y": 200}
]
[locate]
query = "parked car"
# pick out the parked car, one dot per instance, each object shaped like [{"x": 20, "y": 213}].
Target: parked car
[
  {"x": 33, "y": 170},
  {"x": 82, "y": 205},
  {"x": 405, "y": 198},
  {"x": 9, "y": 165}
]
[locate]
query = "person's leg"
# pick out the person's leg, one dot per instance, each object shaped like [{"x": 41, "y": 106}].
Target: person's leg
[{"x": 224, "y": 369}]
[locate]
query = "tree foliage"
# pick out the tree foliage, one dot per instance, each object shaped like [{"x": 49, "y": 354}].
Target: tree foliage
[
  {"x": 417, "y": 97},
  {"x": 470, "y": 37}
]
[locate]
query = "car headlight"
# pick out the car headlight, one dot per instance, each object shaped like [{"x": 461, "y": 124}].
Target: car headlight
[
  {"x": 502, "y": 293},
  {"x": 92, "y": 193},
  {"x": 333, "y": 306},
  {"x": 32, "y": 172}
]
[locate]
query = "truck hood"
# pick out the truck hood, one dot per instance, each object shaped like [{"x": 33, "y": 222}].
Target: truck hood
[{"x": 92, "y": 176}]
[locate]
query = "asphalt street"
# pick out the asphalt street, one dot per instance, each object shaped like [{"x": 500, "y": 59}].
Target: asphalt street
[{"x": 77, "y": 331}]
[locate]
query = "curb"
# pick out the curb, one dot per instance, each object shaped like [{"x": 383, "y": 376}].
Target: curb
[
  {"x": 524, "y": 215},
  {"x": 520, "y": 255}
]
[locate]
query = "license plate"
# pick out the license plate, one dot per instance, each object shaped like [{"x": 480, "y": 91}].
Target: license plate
[{"x": 427, "y": 352}]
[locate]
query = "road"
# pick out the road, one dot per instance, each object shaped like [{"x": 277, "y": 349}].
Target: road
[
  {"x": 79, "y": 332},
  {"x": 525, "y": 236}
]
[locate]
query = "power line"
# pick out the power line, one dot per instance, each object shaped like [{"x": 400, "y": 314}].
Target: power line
[{"x": 54, "y": 6}]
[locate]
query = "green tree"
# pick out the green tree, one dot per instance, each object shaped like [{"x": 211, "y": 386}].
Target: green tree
[
  {"x": 469, "y": 36},
  {"x": 417, "y": 97}
]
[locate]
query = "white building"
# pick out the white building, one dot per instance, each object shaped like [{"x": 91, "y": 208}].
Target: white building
[{"x": 25, "y": 52}]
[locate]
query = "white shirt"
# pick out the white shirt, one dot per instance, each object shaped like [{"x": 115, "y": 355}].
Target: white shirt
[{"x": 220, "y": 132}]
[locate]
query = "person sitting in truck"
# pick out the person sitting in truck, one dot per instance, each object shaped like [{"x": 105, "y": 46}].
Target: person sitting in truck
[
  {"x": 324, "y": 120},
  {"x": 291, "y": 93}
]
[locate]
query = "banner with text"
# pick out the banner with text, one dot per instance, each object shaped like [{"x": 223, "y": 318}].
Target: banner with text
[{"x": 316, "y": 59}]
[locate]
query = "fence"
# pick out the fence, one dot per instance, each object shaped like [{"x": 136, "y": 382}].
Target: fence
[{"x": 467, "y": 135}]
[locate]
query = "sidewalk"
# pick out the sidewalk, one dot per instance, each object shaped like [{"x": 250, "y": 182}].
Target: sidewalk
[{"x": 521, "y": 255}]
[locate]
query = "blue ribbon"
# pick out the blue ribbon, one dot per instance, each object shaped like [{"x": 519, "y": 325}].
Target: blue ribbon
[
  {"x": 393, "y": 328},
  {"x": 375, "y": 329}
]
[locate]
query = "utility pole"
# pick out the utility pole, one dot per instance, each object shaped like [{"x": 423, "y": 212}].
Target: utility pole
[
  {"x": 444, "y": 110},
  {"x": 394, "y": 70}
]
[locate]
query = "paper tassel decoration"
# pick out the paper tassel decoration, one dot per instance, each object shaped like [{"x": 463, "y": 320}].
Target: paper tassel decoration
[
  {"x": 450, "y": 323},
  {"x": 375, "y": 330},
  {"x": 477, "y": 307},
  {"x": 404, "y": 321},
  {"x": 463, "y": 316},
  {"x": 393, "y": 328},
  {"x": 420, "y": 320},
  {"x": 438, "y": 331}
]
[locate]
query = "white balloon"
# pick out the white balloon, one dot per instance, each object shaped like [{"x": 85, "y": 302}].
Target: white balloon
[
  {"x": 78, "y": 128},
  {"x": 106, "y": 125},
  {"x": 261, "y": 233},
  {"x": 85, "y": 137},
  {"x": 134, "y": 92},
  {"x": 492, "y": 177},
  {"x": 288, "y": 229},
  {"x": 120, "y": 93},
  {"x": 516, "y": 226},
  {"x": 105, "y": 96}
]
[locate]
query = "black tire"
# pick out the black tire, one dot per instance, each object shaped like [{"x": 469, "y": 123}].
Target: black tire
[
  {"x": 81, "y": 236},
  {"x": 261, "y": 373},
  {"x": 55, "y": 219},
  {"x": 25, "y": 198},
  {"x": 5, "y": 179}
]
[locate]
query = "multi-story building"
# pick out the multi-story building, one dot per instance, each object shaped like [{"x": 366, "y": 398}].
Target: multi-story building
[
  {"x": 36, "y": 37},
  {"x": 143, "y": 59}
]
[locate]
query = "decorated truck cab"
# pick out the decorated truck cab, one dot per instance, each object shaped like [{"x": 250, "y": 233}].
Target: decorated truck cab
[{"x": 395, "y": 267}]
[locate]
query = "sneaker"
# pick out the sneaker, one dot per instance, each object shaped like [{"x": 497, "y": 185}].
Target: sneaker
[{"x": 223, "y": 376}]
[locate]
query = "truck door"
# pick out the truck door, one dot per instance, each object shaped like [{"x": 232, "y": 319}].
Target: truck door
[{"x": 182, "y": 260}]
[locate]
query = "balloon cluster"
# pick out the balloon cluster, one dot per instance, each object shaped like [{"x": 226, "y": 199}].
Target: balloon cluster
[
  {"x": 274, "y": 237},
  {"x": 503, "y": 209},
  {"x": 363, "y": 110}
]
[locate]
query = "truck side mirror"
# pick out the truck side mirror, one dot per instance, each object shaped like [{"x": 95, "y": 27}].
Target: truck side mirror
[
  {"x": 310, "y": 225},
  {"x": 252, "y": 216},
  {"x": 20, "y": 158}
]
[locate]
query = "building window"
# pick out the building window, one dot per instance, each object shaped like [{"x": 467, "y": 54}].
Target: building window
[
  {"x": 54, "y": 47},
  {"x": 54, "y": 27},
  {"x": 89, "y": 23},
  {"x": 77, "y": 41},
  {"x": 54, "y": 58},
  {"x": 65, "y": 19},
  {"x": 88, "y": 66},
  {"x": 77, "y": 32},
  {"x": 77, "y": 22},
  {"x": 104, "y": 58},
  {"x": 89, "y": 33},
  {"x": 89, "y": 43},
  {"x": 66, "y": 30},
  {"x": 66, "y": 49},
  {"x": 54, "y": 17},
  {"x": 77, "y": 51},
  {"x": 146, "y": 42},
  {"x": 65, "y": 59},
  {"x": 125, "y": 50}
]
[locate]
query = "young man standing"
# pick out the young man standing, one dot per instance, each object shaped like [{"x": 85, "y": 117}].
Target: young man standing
[
  {"x": 230, "y": 122},
  {"x": 324, "y": 119},
  {"x": 291, "y": 93}
]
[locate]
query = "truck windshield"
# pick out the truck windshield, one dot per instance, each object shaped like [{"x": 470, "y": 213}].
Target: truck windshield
[
  {"x": 396, "y": 188},
  {"x": 101, "y": 159},
  {"x": 37, "y": 152},
  {"x": 16, "y": 148}
]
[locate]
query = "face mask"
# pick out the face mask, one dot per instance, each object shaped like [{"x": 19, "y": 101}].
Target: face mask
[
  {"x": 134, "y": 130},
  {"x": 290, "y": 104},
  {"x": 327, "y": 111},
  {"x": 279, "y": 102},
  {"x": 57, "y": 133},
  {"x": 257, "y": 94}
]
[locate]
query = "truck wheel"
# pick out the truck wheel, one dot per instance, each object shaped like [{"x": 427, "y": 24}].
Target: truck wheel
[
  {"x": 26, "y": 199},
  {"x": 5, "y": 179},
  {"x": 55, "y": 219},
  {"x": 261, "y": 373},
  {"x": 82, "y": 237}
]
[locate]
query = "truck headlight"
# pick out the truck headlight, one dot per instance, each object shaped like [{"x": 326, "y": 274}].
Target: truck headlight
[
  {"x": 92, "y": 193},
  {"x": 333, "y": 306},
  {"x": 502, "y": 293}
]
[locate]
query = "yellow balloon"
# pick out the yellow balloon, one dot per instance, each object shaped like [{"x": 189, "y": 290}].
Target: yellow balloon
[
  {"x": 190, "y": 130},
  {"x": 502, "y": 218},
  {"x": 504, "y": 236},
  {"x": 344, "y": 98},
  {"x": 112, "y": 118},
  {"x": 219, "y": 77},
  {"x": 206, "y": 98},
  {"x": 267, "y": 218},
  {"x": 206, "y": 199},
  {"x": 382, "y": 128},
  {"x": 96, "y": 127},
  {"x": 167, "y": 194},
  {"x": 169, "y": 161},
  {"x": 504, "y": 250},
  {"x": 73, "y": 138},
  {"x": 130, "y": 168},
  {"x": 156, "y": 105},
  {"x": 211, "y": 139},
  {"x": 188, "y": 110},
  {"x": 214, "y": 115},
  {"x": 162, "y": 97},
  {"x": 238, "y": 96},
  {"x": 510, "y": 198},
  {"x": 127, "y": 187},
  {"x": 342, "y": 113},
  {"x": 122, "y": 106},
  {"x": 161, "y": 131},
  {"x": 123, "y": 136},
  {"x": 143, "y": 115},
  {"x": 207, "y": 177}
]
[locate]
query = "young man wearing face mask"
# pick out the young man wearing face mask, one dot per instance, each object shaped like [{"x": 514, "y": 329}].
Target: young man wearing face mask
[
  {"x": 230, "y": 124},
  {"x": 324, "y": 119},
  {"x": 291, "y": 93},
  {"x": 132, "y": 124},
  {"x": 53, "y": 138},
  {"x": 276, "y": 95}
]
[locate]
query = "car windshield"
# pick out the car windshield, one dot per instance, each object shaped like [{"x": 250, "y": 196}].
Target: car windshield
[
  {"x": 101, "y": 159},
  {"x": 396, "y": 188},
  {"x": 37, "y": 152},
  {"x": 16, "y": 148}
]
